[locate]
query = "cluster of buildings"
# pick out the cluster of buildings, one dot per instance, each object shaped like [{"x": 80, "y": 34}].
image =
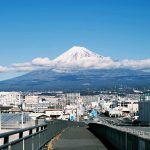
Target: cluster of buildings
[
  {"x": 64, "y": 105},
  {"x": 58, "y": 105},
  {"x": 120, "y": 106}
]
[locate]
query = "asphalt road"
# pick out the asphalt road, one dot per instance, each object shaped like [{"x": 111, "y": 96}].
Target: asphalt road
[{"x": 78, "y": 138}]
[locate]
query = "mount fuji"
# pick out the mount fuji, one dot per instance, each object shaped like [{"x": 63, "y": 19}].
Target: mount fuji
[
  {"x": 79, "y": 69},
  {"x": 77, "y": 53},
  {"x": 78, "y": 58}
]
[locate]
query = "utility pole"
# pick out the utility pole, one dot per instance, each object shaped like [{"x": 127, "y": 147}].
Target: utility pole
[
  {"x": 21, "y": 101},
  {"x": 22, "y": 119},
  {"x": 77, "y": 108}
]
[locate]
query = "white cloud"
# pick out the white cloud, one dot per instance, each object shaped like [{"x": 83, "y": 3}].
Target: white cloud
[
  {"x": 26, "y": 64},
  {"x": 25, "y": 67},
  {"x": 85, "y": 63},
  {"x": 97, "y": 63},
  {"x": 3, "y": 69},
  {"x": 88, "y": 62},
  {"x": 42, "y": 61},
  {"x": 135, "y": 64}
]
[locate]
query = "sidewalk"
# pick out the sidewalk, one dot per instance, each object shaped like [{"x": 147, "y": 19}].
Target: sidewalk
[{"x": 78, "y": 138}]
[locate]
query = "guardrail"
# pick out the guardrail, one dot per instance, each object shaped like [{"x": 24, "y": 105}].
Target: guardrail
[
  {"x": 139, "y": 133},
  {"x": 34, "y": 138},
  {"x": 121, "y": 138}
]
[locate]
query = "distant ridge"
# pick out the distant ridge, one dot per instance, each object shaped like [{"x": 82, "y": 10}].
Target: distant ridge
[{"x": 96, "y": 79}]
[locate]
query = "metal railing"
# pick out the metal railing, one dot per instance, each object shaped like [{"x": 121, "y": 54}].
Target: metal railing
[
  {"x": 136, "y": 132},
  {"x": 34, "y": 138},
  {"x": 120, "y": 138},
  {"x": 34, "y": 134}
]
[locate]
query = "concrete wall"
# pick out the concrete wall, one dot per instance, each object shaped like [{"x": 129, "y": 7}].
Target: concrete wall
[{"x": 119, "y": 139}]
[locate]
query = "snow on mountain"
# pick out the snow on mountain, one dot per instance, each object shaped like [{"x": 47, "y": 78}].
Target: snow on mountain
[
  {"x": 76, "y": 53},
  {"x": 75, "y": 59},
  {"x": 80, "y": 57}
]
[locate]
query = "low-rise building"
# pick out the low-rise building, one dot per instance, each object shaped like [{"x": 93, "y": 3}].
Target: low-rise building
[
  {"x": 31, "y": 99},
  {"x": 72, "y": 98},
  {"x": 10, "y": 98},
  {"x": 54, "y": 113},
  {"x": 132, "y": 105}
]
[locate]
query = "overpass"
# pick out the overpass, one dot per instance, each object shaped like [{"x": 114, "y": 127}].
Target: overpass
[
  {"x": 67, "y": 135},
  {"x": 74, "y": 135}
]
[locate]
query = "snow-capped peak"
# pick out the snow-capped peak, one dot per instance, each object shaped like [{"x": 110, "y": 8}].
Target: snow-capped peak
[
  {"x": 79, "y": 57},
  {"x": 76, "y": 53}
]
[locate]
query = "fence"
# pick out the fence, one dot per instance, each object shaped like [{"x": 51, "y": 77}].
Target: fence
[
  {"x": 121, "y": 138},
  {"x": 13, "y": 121},
  {"x": 34, "y": 138}
]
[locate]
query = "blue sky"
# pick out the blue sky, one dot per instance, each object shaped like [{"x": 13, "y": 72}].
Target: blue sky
[{"x": 46, "y": 28}]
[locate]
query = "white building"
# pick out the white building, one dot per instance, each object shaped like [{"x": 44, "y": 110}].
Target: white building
[
  {"x": 72, "y": 98},
  {"x": 35, "y": 99},
  {"x": 105, "y": 104},
  {"x": 39, "y": 103},
  {"x": 31, "y": 99},
  {"x": 94, "y": 104},
  {"x": 54, "y": 113},
  {"x": 10, "y": 98},
  {"x": 91, "y": 98},
  {"x": 49, "y": 99},
  {"x": 131, "y": 105}
]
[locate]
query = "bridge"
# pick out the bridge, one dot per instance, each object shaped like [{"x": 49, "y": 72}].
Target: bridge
[
  {"x": 72, "y": 135},
  {"x": 67, "y": 135}
]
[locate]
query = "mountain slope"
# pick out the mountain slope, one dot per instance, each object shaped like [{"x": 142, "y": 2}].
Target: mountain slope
[
  {"x": 79, "y": 69},
  {"x": 94, "y": 79}
]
